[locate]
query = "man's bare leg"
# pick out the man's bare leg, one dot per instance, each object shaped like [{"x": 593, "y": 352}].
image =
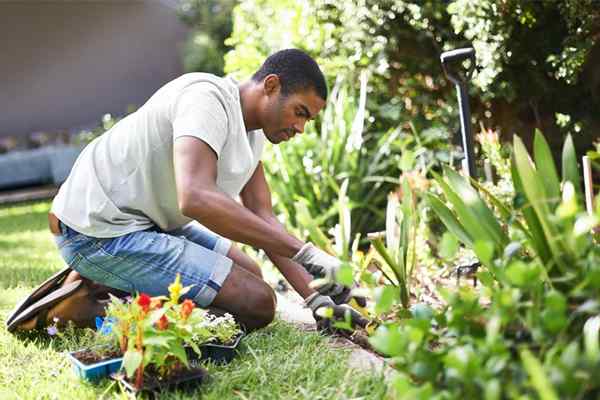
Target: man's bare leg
[
  {"x": 243, "y": 260},
  {"x": 247, "y": 297}
]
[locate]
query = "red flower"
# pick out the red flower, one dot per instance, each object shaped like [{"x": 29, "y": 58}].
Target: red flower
[
  {"x": 144, "y": 302},
  {"x": 162, "y": 323},
  {"x": 186, "y": 308}
]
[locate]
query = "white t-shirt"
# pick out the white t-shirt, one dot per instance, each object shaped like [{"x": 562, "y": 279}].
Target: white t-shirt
[{"x": 124, "y": 180}]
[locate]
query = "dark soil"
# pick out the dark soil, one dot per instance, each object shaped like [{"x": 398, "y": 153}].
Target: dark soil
[
  {"x": 180, "y": 377},
  {"x": 360, "y": 338},
  {"x": 88, "y": 357}
]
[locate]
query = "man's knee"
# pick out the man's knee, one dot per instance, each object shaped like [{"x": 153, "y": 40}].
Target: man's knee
[
  {"x": 250, "y": 299},
  {"x": 263, "y": 307}
]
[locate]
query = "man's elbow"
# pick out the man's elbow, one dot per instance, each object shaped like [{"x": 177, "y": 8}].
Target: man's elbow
[{"x": 194, "y": 204}]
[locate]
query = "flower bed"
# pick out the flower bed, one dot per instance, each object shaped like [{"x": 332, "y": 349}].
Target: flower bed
[{"x": 529, "y": 324}]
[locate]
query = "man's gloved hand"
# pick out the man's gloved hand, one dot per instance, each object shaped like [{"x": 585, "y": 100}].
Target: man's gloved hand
[
  {"x": 324, "y": 266},
  {"x": 326, "y": 313}
]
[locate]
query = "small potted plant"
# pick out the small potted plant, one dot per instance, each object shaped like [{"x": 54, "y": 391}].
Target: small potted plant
[
  {"x": 98, "y": 361},
  {"x": 217, "y": 338},
  {"x": 153, "y": 332}
]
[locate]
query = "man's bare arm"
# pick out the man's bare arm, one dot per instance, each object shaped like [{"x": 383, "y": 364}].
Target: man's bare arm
[
  {"x": 200, "y": 199},
  {"x": 256, "y": 196}
]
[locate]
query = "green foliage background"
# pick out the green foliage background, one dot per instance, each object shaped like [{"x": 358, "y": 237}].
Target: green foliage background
[{"x": 536, "y": 59}]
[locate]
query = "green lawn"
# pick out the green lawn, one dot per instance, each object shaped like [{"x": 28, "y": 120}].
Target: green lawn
[{"x": 279, "y": 362}]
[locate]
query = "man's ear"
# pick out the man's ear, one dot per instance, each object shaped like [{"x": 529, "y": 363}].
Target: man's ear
[{"x": 271, "y": 84}]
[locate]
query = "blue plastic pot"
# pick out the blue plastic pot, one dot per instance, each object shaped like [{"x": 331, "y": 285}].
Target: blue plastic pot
[{"x": 96, "y": 371}]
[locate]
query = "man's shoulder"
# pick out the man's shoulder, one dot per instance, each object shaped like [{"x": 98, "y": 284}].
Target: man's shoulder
[{"x": 205, "y": 82}]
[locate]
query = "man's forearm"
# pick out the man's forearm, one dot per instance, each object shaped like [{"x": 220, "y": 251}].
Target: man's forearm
[
  {"x": 225, "y": 216},
  {"x": 293, "y": 272}
]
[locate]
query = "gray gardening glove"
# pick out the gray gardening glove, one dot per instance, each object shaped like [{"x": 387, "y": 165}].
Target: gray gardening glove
[
  {"x": 324, "y": 266},
  {"x": 321, "y": 306}
]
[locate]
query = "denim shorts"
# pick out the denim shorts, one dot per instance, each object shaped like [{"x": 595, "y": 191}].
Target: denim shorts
[{"x": 148, "y": 261}]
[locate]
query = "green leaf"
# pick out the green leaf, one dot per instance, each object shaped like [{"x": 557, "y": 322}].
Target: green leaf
[
  {"x": 449, "y": 245},
  {"x": 407, "y": 160},
  {"x": 387, "y": 258},
  {"x": 535, "y": 370},
  {"x": 160, "y": 340},
  {"x": 570, "y": 172},
  {"x": 504, "y": 211},
  {"x": 591, "y": 331},
  {"x": 524, "y": 274},
  {"x": 132, "y": 359},
  {"x": 535, "y": 233},
  {"x": 385, "y": 297},
  {"x": 389, "y": 340},
  {"x": 422, "y": 311},
  {"x": 448, "y": 218},
  {"x": 392, "y": 234},
  {"x": 463, "y": 200},
  {"x": 486, "y": 278},
  {"x": 535, "y": 193},
  {"x": 314, "y": 232},
  {"x": 477, "y": 208},
  {"x": 178, "y": 351},
  {"x": 484, "y": 251},
  {"x": 546, "y": 167},
  {"x": 345, "y": 275}
]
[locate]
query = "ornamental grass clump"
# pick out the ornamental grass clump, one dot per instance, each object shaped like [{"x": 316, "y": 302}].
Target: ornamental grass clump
[{"x": 154, "y": 332}]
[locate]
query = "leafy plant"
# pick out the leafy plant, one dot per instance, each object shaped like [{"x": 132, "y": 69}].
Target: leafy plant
[
  {"x": 154, "y": 331},
  {"x": 398, "y": 253},
  {"x": 538, "y": 333}
]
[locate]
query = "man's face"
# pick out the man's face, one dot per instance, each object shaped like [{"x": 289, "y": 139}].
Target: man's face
[{"x": 286, "y": 116}]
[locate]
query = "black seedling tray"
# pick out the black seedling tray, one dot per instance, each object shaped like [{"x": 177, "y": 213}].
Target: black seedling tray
[
  {"x": 215, "y": 352},
  {"x": 187, "y": 380}
]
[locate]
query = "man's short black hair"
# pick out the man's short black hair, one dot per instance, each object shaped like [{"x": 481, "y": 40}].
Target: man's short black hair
[{"x": 296, "y": 71}]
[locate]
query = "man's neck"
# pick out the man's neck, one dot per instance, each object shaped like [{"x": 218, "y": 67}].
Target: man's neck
[{"x": 249, "y": 96}]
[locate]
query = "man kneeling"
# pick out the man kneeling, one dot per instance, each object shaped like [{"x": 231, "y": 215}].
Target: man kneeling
[{"x": 154, "y": 196}]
